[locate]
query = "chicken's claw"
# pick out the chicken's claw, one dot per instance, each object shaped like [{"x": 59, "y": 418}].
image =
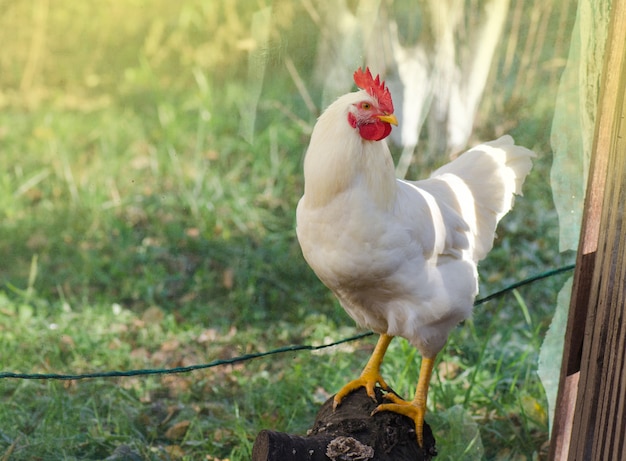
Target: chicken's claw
[
  {"x": 370, "y": 376},
  {"x": 368, "y": 380},
  {"x": 414, "y": 410}
]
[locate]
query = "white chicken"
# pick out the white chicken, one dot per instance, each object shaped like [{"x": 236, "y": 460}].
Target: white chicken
[{"x": 399, "y": 255}]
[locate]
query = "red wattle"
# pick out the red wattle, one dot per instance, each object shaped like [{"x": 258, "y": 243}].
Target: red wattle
[{"x": 375, "y": 131}]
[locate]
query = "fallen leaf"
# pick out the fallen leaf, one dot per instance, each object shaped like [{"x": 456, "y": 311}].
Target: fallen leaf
[
  {"x": 228, "y": 278},
  {"x": 172, "y": 411},
  {"x": 192, "y": 232},
  {"x": 175, "y": 451},
  {"x": 66, "y": 343},
  {"x": 448, "y": 370},
  {"x": 177, "y": 431},
  {"x": 139, "y": 353},
  {"x": 176, "y": 385},
  {"x": 153, "y": 315},
  {"x": 207, "y": 336},
  {"x": 7, "y": 454},
  {"x": 212, "y": 154}
]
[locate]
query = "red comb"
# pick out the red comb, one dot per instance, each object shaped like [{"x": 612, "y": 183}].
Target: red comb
[{"x": 375, "y": 88}]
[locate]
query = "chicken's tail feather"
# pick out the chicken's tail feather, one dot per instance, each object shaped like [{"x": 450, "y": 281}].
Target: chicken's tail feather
[{"x": 480, "y": 184}]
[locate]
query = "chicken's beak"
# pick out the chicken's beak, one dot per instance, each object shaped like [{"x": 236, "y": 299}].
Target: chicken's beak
[{"x": 389, "y": 118}]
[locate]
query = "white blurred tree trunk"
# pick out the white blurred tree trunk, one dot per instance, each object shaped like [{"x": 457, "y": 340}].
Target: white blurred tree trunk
[
  {"x": 439, "y": 76},
  {"x": 462, "y": 67},
  {"x": 343, "y": 38}
]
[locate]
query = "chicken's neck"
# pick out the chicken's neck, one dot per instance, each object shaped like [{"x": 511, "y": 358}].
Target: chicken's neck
[{"x": 339, "y": 160}]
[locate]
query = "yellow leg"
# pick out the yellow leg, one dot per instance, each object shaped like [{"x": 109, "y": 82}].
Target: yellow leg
[
  {"x": 416, "y": 409},
  {"x": 370, "y": 376}
]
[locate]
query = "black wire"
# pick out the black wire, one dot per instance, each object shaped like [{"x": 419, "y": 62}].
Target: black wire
[
  {"x": 246, "y": 357},
  {"x": 161, "y": 371},
  {"x": 527, "y": 281}
]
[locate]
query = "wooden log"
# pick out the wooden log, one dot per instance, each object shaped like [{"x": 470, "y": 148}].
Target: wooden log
[
  {"x": 349, "y": 433},
  {"x": 270, "y": 445}
]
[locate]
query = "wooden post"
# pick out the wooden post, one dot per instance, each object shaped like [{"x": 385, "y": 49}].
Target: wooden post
[{"x": 590, "y": 418}]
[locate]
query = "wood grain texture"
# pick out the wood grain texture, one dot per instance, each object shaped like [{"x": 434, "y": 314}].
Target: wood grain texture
[{"x": 590, "y": 419}]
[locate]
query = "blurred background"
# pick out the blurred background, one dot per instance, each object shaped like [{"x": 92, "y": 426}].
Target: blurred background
[{"x": 151, "y": 158}]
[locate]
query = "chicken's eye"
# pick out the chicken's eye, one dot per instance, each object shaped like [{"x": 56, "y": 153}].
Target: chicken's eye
[{"x": 366, "y": 106}]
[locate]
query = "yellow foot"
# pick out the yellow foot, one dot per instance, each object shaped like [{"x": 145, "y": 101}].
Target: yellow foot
[
  {"x": 413, "y": 410},
  {"x": 368, "y": 380},
  {"x": 370, "y": 375}
]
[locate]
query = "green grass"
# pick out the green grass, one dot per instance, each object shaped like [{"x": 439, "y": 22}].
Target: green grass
[{"x": 139, "y": 229}]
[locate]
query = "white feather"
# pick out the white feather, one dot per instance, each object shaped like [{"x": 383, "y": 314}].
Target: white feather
[{"x": 399, "y": 255}]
